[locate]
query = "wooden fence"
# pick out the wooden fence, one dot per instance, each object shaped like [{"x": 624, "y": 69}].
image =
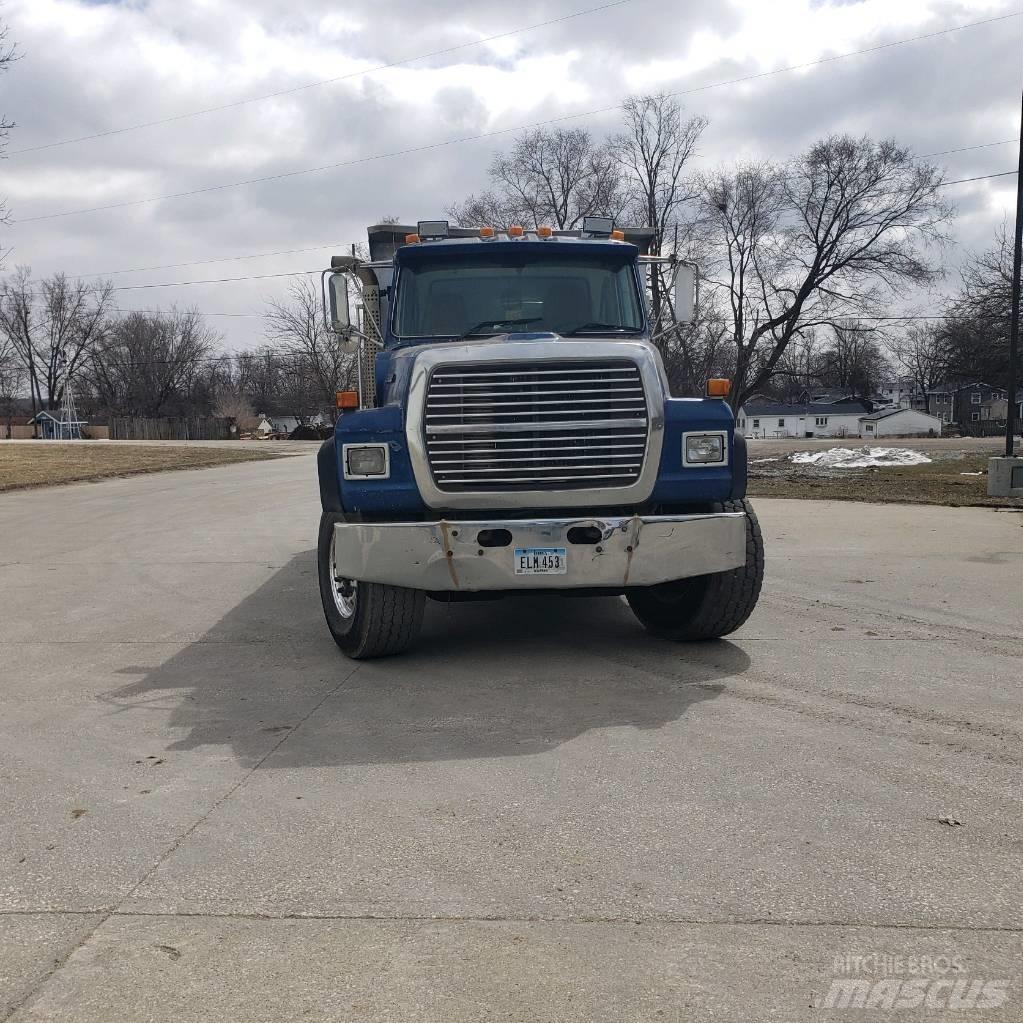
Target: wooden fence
[
  {"x": 983, "y": 428},
  {"x": 171, "y": 428}
]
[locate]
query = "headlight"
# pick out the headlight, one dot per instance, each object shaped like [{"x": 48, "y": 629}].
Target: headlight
[
  {"x": 364, "y": 460},
  {"x": 704, "y": 448}
]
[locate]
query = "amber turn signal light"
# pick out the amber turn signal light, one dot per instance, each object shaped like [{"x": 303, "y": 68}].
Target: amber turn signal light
[
  {"x": 718, "y": 387},
  {"x": 346, "y": 399}
]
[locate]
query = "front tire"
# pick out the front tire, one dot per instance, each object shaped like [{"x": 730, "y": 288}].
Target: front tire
[
  {"x": 366, "y": 619},
  {"x": 706, "y": 606}
]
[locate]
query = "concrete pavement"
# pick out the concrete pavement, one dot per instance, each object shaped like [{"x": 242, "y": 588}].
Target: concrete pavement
[{"x": 541, "y": 813}]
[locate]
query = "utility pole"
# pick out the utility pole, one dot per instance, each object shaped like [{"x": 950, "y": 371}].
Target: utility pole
[
  {"x": 1005, "y": 474},
  {"x": 1010, "y": 418}
]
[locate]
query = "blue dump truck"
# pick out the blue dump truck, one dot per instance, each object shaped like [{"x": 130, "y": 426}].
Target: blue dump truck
[{"x": 512, "y": 432}]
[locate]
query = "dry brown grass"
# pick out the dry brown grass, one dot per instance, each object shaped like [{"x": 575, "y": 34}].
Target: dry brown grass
[
  {"x": 942, "y": 481},
  {"x": 44, "y": 463}
]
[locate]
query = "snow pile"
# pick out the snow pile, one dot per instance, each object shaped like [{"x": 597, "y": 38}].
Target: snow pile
[{"x": 858, "y": 458}]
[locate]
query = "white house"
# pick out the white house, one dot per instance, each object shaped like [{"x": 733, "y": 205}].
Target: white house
[
  {"x": 901, "y": 392},
  {"x": 812, "y": 419},
  {"x": 899, "y": 422}
]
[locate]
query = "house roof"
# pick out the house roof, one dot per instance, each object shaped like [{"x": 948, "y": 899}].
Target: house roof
[
  {"x": 805, "y": 409},
  {"x": 888, "y": 412},
  {"x": 45, "y": 414}
]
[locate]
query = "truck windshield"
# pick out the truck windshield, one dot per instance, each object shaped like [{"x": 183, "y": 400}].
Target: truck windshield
[{"x": 448, "y": 298}]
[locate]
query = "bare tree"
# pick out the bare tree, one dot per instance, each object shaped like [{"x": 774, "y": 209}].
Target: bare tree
[
  {"x": 825, "y": 238},
  {"x": 49, "y": 321},
  {"x": 976, "y": 333},
  {"x": 853, "y": 359},
  {"x": 923, "y": 354},
  {"x": 312, "y": 352},
  {"x": 233, "y": 404},
  {"x": 259, "y": 377},
  {"x": 653, "y": 152},
  {"x": 152, "y": 364},
  {"x": 7, "y": 55},
  {"x": 798, "y": 369},
  {"x": 12, "y": 380},
  {"x": 552, "y": 176}
]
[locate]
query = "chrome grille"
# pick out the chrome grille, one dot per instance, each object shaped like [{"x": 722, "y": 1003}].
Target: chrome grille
[{"x": 557, "y": 425}]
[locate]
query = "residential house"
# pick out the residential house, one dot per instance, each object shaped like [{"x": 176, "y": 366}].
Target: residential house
[
  {"x": 903, "y": 393},
  {"x": 899, "y": 422},
  {"x": 969, "y": 405},
  {"x": 832, "y": 396},
  {"x": 807, "y": 419}
]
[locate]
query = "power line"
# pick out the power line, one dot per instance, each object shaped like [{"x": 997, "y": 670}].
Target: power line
[
  {"x": 318, "y": 84},
  {"x": 215, "y": 280},
  {"x": 339, "y": 245},
  {"x": 160, "y": 312},
  {"x": 967, "y": 149},
  {"x": 979, "y": 177},
  {"x": 206, "y": 262},
  {"x": 305, "y": 273},
  {"x": 505, "y": 131}
]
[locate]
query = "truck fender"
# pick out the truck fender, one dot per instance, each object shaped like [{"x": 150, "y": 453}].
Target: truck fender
[
  {"x": 326, "y": 468},
  {"x": 739, "y": 468}
]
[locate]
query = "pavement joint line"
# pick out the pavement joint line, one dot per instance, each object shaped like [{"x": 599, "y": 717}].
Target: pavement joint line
[
  {"x": 140, "y": 642},
  {"x": 60, "y": 962},
  {"x": 965, "y": 630},
  {"x": 217, "y": 803},
  {"x": 679, "y": 921}
]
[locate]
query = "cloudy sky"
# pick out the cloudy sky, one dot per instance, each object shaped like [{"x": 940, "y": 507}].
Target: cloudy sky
[{"x": 94, "y": 66}]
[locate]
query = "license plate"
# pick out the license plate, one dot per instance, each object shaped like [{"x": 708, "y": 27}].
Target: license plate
[{"x": 541, "y": 560}]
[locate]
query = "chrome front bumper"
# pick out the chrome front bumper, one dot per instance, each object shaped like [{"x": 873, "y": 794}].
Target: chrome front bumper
[{"x": 447, "y": 555}]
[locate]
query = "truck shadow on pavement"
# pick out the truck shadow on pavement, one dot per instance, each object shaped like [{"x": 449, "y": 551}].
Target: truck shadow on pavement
[{"x": 512, "y": 677}]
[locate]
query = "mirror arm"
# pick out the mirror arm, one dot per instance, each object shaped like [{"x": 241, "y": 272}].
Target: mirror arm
[{"x": 323, "y": 298}]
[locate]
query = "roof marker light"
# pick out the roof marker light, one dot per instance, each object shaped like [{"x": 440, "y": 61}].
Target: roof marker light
[
  {"x": 486, "y": 232},
  {"x": 544, "y": 232},
  {"x": 617, "y": 236},
  {"x": 718, "y": 387},
  {"x": 411, "y": 239},
  {"x": 515, "y": 231}
]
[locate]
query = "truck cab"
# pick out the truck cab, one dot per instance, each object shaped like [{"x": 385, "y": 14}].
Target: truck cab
[{"x": 512, "y": 431}]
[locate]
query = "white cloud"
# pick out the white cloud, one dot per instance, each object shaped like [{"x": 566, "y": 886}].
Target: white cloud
[{"x": 90, "y": 67}]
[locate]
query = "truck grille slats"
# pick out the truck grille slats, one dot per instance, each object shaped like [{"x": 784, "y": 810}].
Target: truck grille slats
[{"x": 565, "y": 426}]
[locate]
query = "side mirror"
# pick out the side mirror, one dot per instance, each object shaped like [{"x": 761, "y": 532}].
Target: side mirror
[
  {"x": 340, "y": 313},
  {"x": 685, "y": 293}
]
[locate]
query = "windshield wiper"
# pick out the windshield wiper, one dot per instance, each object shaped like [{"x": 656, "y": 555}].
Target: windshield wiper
[
  {"x": 487, "y": 325},
  {"x": 586, "y": 328}
]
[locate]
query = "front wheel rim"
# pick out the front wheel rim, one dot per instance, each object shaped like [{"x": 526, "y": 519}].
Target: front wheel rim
[{"x": 344, "y": 591}]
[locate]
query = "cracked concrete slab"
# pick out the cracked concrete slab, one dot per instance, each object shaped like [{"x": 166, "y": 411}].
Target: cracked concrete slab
[
  {"x": 34, "y": 945},
  {"x": 185, "y": 969},
  {"x": 180, "y": 736}
]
